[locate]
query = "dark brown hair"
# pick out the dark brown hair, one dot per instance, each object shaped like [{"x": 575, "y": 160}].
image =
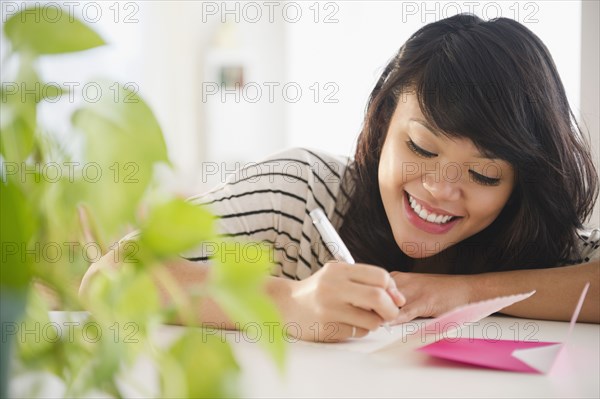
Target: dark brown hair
[{"x": 495, "y": 83}]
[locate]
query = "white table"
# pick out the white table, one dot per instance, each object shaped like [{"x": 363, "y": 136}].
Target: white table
[
  {"x": 332, "y": 370},
  {"x": 324, "y": 371}
]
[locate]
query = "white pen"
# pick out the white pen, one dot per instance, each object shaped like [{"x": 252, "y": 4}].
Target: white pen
[{"x": 330, "y": 236}]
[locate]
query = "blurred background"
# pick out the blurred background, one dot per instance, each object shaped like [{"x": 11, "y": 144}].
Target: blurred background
[{"x": 231, "y": 82}]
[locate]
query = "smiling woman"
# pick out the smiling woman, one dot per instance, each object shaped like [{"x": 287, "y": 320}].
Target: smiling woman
[
  {"x": 469, "y": 164},
  {"x": 470, "y": 120}
]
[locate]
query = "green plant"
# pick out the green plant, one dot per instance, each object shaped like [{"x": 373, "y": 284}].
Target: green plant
[{"x": 120, "y": 134}]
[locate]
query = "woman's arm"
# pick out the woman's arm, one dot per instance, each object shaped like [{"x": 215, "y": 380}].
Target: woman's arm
[
  {"x": 323, "y": 307},
  {"x": 557, "y": 292}
]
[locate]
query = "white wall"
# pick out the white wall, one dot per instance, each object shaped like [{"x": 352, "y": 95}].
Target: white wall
[
  {"x": 211, "y": 131},
  {"x": 353, "y": 52},
  {"x": 590, "y": 82},
  {"x": 348, "y": 55}
]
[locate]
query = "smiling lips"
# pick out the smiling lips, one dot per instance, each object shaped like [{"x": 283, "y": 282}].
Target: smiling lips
[
  {"x": 430, "y": 220},
  {"x": 430, "y": 216}
]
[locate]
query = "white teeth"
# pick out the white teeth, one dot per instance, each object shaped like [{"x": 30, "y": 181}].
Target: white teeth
[{"x": 423, "y": 214}]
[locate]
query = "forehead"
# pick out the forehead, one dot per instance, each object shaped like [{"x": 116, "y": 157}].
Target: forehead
[{"x": 408, "y": 106}]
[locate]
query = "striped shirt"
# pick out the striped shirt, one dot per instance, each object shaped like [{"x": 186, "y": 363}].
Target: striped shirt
[{"x": 269, "y": 202}]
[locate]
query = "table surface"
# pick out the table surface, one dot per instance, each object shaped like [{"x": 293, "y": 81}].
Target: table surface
[
  {"x": 345, "y": 370},
  {"x": 327, "y": 370}
]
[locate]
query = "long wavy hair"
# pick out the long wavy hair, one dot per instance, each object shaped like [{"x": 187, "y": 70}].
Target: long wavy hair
[{"x": 495, "y": 83}]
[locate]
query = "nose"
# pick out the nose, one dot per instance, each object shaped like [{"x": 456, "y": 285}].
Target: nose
[{"x": 441, "y": 188}]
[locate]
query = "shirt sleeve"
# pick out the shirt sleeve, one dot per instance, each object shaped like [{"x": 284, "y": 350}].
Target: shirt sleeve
[
  {"x": 590, "y": 245},
  {"x": 588, "y": 248}
]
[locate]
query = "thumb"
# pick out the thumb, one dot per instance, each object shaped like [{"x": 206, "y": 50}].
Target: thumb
[
  {"x": 398, "y": 298},
  {"x": 406, "y": 314}
]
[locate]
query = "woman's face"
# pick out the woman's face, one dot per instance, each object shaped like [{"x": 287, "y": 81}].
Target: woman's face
[{"x": 436, "y": 191}]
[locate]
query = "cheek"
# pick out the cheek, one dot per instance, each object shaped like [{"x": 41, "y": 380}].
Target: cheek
[
  {"x": 486, "y": 206},
  {"x": 395, "y": 167},
  {"x": 387, "y": 166}
]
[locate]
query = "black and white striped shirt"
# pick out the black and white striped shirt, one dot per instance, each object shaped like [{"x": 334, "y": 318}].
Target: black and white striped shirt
[{"x": 270, "y": 201}]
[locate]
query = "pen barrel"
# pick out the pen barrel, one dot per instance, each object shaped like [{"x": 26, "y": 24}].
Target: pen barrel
[{"x": 330, "y": 237}]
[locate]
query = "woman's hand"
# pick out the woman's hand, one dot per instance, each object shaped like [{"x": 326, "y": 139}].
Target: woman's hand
[
  {"x": 341, "y": 296},
  {"x": 431, "y": 295}
]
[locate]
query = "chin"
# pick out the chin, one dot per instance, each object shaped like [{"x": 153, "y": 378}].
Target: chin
[{"x": 419, "y": 254}]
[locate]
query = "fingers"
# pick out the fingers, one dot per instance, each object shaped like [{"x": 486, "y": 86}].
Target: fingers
[
  {"x": 377, "y": 277},
  {"x": 336, "y": 332},
  {"x": 395, "y": 294},
  {"x": 365, "y": 319},
  {"x": 350, "y": 331},
  {"x": 360, "y": 296},
  {"x": 368, "y": 274},
  {"x": 354, "y": 316},
  {"x": 367, "y": 287},
  {"x": 372, "y": 298},
  {"x": 409, "y": 310},
  {"x": 406, "y": 314}
]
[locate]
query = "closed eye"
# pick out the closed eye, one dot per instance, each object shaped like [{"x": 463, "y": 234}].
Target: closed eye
[
  {"x": 484, "y": 180},
  {"x": 477, "y": 177},
  {"x": 418, "y": 150}
]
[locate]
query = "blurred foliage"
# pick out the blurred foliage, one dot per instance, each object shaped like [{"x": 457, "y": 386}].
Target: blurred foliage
[{"x": 73, "y": 215}]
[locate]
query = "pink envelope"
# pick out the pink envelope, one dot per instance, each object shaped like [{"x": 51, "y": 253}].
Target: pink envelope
[{"x": 520, "y": 356}]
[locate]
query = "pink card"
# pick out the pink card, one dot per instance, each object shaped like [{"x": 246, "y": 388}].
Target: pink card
[{"x": 520, "y": 356}]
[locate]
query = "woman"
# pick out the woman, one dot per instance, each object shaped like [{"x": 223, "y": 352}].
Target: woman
[{"x": 469, "y": 165}]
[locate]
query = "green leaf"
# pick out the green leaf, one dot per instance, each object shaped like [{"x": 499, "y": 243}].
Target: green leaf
[
  {"x": 243, "y": 265},
  {"x": 256, "y": 313},
  {"x": 49, "y": 30},
  {"x": 28, "y": 89},
  {"x": 38, "y": 344},
  {"x": 18, "y": 115},
  {"x": 204, "y": 362},
  {"x": 124, "y": 142},
  {"x": 237, "y": 285},
  {"x": 18, "y": 224},
  {"x": 126, "y": 295},
  {"x": 175, "y": 227},
  {"x": 52, "y": 92}
]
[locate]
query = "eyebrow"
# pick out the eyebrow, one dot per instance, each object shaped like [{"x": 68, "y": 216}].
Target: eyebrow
[{"x": 427, "y": 126}]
